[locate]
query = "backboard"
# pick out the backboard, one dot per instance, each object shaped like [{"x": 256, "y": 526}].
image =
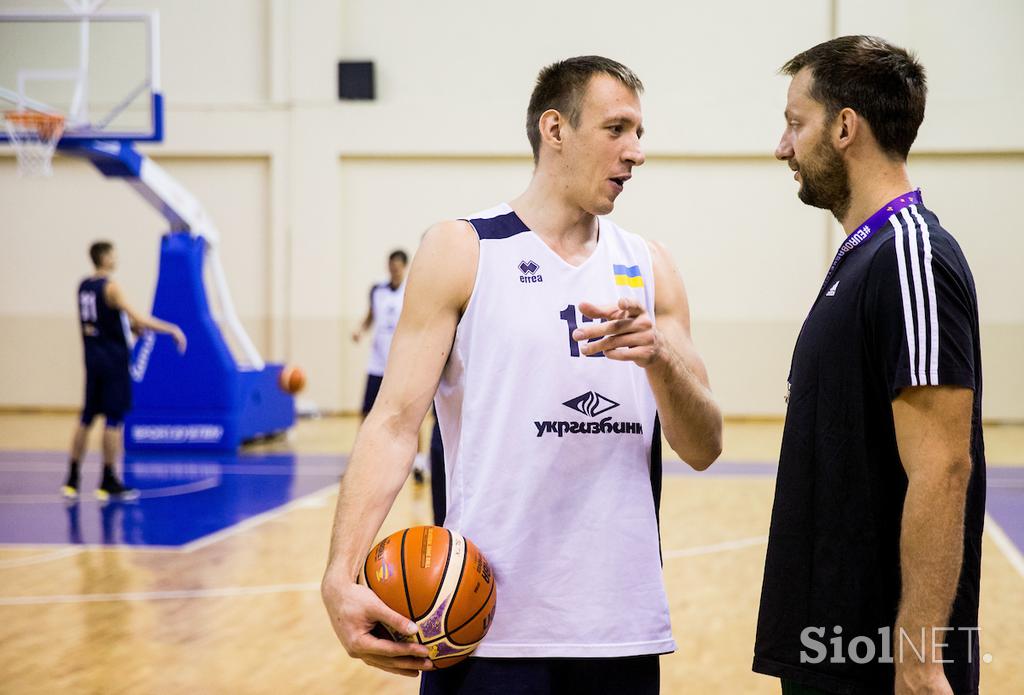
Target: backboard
[{"x": 100, "y": 70}]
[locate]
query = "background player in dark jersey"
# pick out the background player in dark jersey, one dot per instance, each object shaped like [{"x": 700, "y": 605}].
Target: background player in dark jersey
[
  {"x": 104, "y": 316},
  {"x": 873, "y": 565}
]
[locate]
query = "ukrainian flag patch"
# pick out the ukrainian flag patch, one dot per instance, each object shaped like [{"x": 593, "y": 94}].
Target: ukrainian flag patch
[{"x": 628, "y": 275}]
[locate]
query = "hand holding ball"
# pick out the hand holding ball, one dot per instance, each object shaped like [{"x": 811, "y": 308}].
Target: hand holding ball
[{"x": 441, "y": 581}]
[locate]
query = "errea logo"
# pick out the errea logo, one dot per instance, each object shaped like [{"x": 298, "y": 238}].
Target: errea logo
[{"x": 528, "y": 272}]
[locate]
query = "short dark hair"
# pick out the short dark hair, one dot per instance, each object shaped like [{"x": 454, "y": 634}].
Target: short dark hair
[
  {"x": 399, "y": 255},
  {"x": 883, "y": 83},
  {"x": 98, "y": 250},
  {"x": 561, "y": 86}
]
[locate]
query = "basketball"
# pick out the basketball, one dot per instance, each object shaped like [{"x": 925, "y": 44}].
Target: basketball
[
  {"x": 441, "y": 581},
  {"x": 292, "y": 379}
]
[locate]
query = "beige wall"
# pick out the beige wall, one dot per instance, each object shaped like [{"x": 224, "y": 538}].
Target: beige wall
[
  {"x": 55, "y": 221},
  {"x": 311, "y": 193}
]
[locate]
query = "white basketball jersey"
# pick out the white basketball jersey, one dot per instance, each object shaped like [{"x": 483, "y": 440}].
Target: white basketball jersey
[
  {"x": 548, "y": 452},
  {"x": 386, "y": 303}
]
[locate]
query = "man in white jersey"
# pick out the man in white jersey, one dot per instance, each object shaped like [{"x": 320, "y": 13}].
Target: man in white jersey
[
  {"x": 382, "y": 314},
  {"x": 559, "y": 346}
]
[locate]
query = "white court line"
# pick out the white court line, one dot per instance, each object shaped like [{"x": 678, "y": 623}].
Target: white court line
[
  {"x": 93, "y": 547},
  {"x": 717, "y": 547},
  {"x": 233, "y": 591},
  {"x": 134, "y": 596},
  {"x": 991, "y": 527},
  {"x": 254, "y": 521},
  {"x": 1003, "y": 542},
  {"x": 307, "y": 501},
  {"x": 145, "y": 493},
  {"x": 141, "y": 469},
  {"x": 175, "y": 490},
  {"x": 39, "y": 559}
]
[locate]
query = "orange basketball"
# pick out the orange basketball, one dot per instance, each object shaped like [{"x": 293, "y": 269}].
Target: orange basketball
[
  {"x": 292, "y": 379},
  {"x": 439, "y": 580}
]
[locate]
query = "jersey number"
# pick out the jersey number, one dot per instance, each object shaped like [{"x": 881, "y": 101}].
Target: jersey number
[
  {"x": 87, "y": 306},
  {"x": 568, "y": 314}
]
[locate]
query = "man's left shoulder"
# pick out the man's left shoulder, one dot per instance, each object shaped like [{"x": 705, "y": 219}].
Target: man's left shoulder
[{"x": 916, "y": 240}]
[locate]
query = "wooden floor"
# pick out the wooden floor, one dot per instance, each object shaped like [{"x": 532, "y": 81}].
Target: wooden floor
[{"x": 243, "y": 615}]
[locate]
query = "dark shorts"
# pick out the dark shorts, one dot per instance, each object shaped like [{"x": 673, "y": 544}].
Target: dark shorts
[
  {"x": 791, "y": 688},
  {"x": 635, "y": 675},
  {"x": 372, "y": 389},
  {"x": 437, "y": 482},
  {"x": 108, "y": 392}
]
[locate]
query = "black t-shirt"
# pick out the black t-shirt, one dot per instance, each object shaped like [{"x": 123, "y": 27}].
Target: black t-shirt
[{"x": 900, "y": 310}]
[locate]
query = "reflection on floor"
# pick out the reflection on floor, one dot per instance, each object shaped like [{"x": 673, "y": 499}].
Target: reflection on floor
[
  {"x": 187, "y": 499},
  {"x": 182, "y": 501}
]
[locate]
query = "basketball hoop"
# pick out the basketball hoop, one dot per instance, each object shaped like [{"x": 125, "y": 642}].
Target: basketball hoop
[{"x": 34, "y": 136}]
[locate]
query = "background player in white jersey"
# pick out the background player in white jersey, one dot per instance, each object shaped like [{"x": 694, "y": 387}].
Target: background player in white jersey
[
  {"x": 553, "y": 359},
  {"x": 102, "y": 314},
  {"x": 382, "y": 314}
]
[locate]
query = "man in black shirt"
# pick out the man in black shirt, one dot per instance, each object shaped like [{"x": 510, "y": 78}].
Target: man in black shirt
[
  {"x": 105, "y": 318},
  {"x": 873, "y": 566}
]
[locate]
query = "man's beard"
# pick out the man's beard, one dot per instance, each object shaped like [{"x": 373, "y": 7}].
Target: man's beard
[{"x": 825, "y": 180}]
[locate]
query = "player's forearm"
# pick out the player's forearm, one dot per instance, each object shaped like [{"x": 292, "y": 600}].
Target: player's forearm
[
  {"x": 377, "y": 470},
  {"x": 931, "y": 548},
  {"x": 689, "y": 415},
  {"x": 152, "y": 323}
]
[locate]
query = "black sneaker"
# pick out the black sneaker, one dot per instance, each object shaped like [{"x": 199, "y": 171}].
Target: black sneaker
[{"x": 113, "y": 489}]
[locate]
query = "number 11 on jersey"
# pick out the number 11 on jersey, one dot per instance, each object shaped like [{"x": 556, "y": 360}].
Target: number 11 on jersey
[
  {"x": 87, "y": 307},
  {"x": 568, "y": 314}
]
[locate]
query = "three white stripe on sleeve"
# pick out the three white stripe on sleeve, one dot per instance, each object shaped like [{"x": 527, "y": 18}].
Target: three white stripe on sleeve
[{"x": 922, "y": 338}]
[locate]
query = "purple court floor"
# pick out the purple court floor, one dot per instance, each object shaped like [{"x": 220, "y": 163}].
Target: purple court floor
[
  {"x": 1004, "y": 501},
  {"x": 182, "y": 499},
  {"x": 187, "y": 499}
]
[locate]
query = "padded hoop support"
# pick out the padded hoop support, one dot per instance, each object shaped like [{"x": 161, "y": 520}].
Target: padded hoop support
[
  {"x": 113, "y": 158},
  {"x": 202, "y": 400}
]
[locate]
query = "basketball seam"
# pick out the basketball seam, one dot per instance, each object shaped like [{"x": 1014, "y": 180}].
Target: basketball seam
[
  {"x": 366, "y": 566},
  {"x": 458, "y": 584},
  {"x": 440, "y": 584},
  {"x": 405, "y": 577},
  {"x": 470, "y": 619}
]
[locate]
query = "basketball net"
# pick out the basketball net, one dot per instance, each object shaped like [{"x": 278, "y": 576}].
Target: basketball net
[{"x": 34, "y": 136}]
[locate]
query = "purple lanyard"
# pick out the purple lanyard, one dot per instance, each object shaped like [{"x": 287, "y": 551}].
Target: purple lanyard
[{"x": 872, "y": 225}]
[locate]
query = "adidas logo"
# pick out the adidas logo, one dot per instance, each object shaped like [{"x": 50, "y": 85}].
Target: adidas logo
[{"x": 832, "y": 290}]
